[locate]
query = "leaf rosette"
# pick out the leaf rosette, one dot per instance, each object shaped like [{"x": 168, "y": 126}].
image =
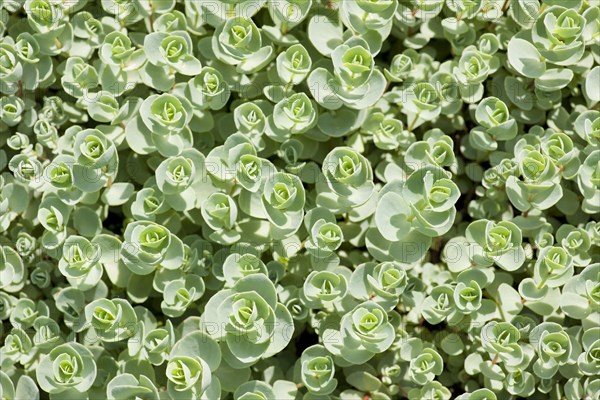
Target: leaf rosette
[
  {"x": 208, "y": 89},
  {"x": 110, "y": 320},
  {"x": 191, "y": 366},
  {"x": 362, "y": 333},
  {"x": 162, "y": 125},
  {"x": 588, "y": 181},
  {"x": 239, "y": 42},
  {"x": 283, "y": 200},
  {"x": 426, "y": 366},
  {"x": 387, "y": 133},
  {"x": 497, "y": 124},
  {"x": 553, "y": 268},
  {"x": 294, "y": 64},
  {"x": 588, "y": 360},
  {"x": 355, "y": 81},
  {"x": 80, "y": 262},
  {"x": 363, "y": 16},
  {"x": 293, "y": 115},
  {"x": 181, "y": 294},
  {"x": 553, "y": 346},
  {"x": 248, "y": 321},
  {"x": 382, "y": 283},
  {"x": 325, "y": 238},
  {"x": 177, "y": 176},
  {"x": 318, "y": 370},
  {"x": 79, "y": 77},
  {"x": 68, "y": 367},
  {"x": 173, "y": 50},
  {"x": 580, "y": 296},
  {"x": 557, "y": 35},
  {"x": 322, "y": 288},
  {"x": 96, "y": 159},
  {"x": 13, "y": 271},
  {"x": 347, "y": 179},
  {"x": 501, "y": 338},
  {"x": 127, "y": 385},
  {"x": 152, "y": 343},
  {"x": 435, "y": 149},
  {"x": 148, "y": 245},
  {"x": 499, "y": 243}
]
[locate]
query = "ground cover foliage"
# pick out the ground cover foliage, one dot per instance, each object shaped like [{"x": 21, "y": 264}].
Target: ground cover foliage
[{"x": 300, "y": 199}]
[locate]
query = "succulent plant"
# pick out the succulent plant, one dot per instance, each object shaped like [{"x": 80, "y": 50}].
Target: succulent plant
[{"x": 299, "y": 199}]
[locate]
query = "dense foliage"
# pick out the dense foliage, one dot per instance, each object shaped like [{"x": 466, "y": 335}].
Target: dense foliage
[{"x": 300, "y": 199}]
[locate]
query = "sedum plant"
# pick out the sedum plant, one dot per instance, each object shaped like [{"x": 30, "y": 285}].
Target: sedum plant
[{"x": 300, "y": 199}]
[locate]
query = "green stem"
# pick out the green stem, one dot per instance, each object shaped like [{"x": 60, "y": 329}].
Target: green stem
[
  {"x": 495, "y": 360},
  {"x": 498, "y": 305},
  {"x": 414, "y": 122},
  {"x": 232, "y": 189},
  {"x": 151, "y": 23},
  {"x": 288, "y": 85},
  {"x": 542, "y": 283}
]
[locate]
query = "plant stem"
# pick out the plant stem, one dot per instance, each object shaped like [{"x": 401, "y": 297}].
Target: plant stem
[
  {"x": 414, "y": 122},
  {"x": 495, "y": 359}
]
